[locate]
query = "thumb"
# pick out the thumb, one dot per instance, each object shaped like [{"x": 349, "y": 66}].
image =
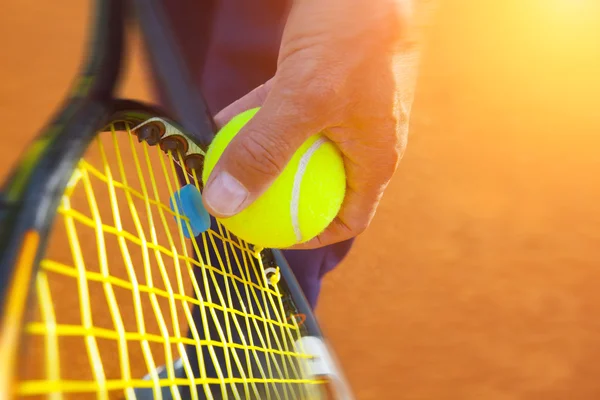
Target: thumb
[{"x": 258, "y": 153}]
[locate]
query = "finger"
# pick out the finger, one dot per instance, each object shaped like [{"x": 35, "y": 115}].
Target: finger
[
  {"x": 255, "y": 98},
  {"x": 258, "y": 153}
]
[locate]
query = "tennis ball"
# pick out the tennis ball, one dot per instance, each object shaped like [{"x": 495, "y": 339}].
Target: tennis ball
[{"x": 300, "y": 203}]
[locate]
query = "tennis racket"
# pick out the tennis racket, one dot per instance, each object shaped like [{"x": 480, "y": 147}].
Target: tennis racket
[{"x": 108, "y": 289}]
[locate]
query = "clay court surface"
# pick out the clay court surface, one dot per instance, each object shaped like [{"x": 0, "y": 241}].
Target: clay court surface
[{"x": 480, "y": 277}]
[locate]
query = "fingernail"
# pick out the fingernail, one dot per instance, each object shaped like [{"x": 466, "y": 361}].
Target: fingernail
[{"x": 225, "y": 194}]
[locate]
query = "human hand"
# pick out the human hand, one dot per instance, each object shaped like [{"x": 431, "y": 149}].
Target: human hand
[{"x": 346, "y": 69}]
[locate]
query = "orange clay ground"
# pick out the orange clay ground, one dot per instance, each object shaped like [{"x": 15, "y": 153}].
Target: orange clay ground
[{"x": 479, "y": 279}]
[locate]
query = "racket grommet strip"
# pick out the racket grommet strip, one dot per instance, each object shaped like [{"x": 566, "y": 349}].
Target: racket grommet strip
[
  {"x": 151, "y": 132},
  {"x": 272, "y": 276},
  {"x": 174, "y": 144},
  {"x": 194, "y": 162}
]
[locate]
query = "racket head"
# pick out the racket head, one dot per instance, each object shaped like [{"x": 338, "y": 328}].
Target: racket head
[{"x": 110, "y": 279}]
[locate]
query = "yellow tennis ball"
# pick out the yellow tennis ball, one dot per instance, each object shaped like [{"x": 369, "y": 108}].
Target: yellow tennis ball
[{"x": 299, "y": 204}]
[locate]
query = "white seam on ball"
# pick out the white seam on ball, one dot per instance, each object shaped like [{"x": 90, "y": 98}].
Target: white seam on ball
[{"x": 298, "y": 181}]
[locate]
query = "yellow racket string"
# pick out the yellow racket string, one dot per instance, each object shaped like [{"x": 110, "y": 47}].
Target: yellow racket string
[
  {"x": 205, "y": 323},
  {"x": 142, "y": 296},
  {"x": 164, "y": 275},
  {"x": 85, "y": 305},
  {"x": 224, "y": 334},
  {"x": 169, "y": 359},
  {"x": 105, "y": 278}
]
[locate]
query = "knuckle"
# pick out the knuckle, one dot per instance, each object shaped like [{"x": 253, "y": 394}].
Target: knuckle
[
  {"x": 393, "y": 150},
  {"x": 320, "y": 93},
  {"x": 353, "y": 227},
  {"x": 387, "y": 162},
  {"x": 398, "y": 17},
  {"x": 404, "y": 12},
  {"x": 359, "y": 227},
  {"x": 401, "y": 139},
  {"x": 262, "y": 154},
  {"x": 391, "y": 165}
]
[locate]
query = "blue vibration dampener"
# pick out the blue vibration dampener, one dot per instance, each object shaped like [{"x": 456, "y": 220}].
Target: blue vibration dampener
[{"x": 189, "y": 205}]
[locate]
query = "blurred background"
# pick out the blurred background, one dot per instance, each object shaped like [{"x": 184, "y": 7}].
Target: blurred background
[{"x": 480, "y": 276}]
